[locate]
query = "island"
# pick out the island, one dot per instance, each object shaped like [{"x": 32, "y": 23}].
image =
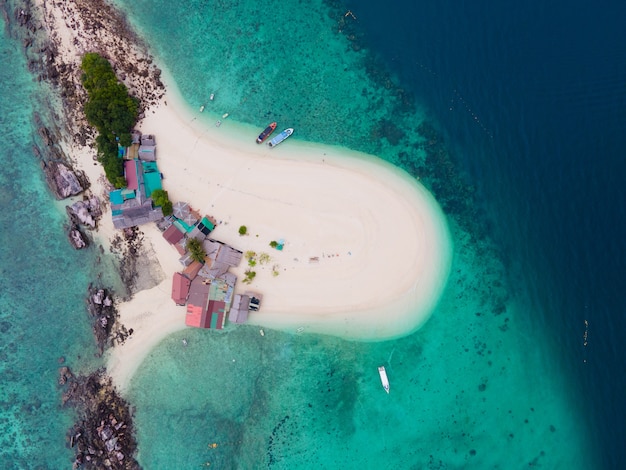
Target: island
[{"x": 365, "y": 248}]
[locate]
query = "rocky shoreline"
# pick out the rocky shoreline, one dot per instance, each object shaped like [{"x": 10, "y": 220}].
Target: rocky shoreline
[{"x": 102, "y": 436}]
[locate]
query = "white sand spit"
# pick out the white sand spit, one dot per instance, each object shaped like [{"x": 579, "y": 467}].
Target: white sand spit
[{"x": 367, "y": 249}]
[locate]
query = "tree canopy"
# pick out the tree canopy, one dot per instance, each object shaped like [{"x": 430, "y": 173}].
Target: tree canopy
[
  {"x": 161, "y": 198},
  {"x": 195, "y": 250},
  {"x": 111, "y": 110}
]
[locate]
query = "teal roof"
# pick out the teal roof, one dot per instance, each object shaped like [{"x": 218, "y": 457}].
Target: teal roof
[
  {"x": 128, "y": 193},
  {"x": 151, "y": 177},
  {"x": 182, "y": 226},
  {"x": 152, "y": 182},
  {"x": 149, "y": 167},
  {"x": 116, "y": 197},
  {"x": 207, "y": 223}
]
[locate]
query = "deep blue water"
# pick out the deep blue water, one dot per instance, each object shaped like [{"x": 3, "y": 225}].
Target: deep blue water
[{"x": 537, "y": 91}]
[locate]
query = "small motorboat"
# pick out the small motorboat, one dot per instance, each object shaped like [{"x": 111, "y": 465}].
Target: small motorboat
[
  {"x": 266, "y": 133},
  {"x": 383, "y": 378},
  {"x": 280, "y": 137}
]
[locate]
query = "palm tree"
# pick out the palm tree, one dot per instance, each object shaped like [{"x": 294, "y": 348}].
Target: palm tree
[{"x": 195, "y": 249}]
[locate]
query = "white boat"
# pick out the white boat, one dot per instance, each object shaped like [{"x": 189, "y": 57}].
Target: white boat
[
  {"x": 201, "y": 108},
  {"x": 383, "y": 378},
  {"x": 280, "y": 137},
  {"x": 212, "y": 96}
]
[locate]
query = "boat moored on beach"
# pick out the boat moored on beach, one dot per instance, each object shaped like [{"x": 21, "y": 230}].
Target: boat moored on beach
[
  {"x": 280, "y": 137},
  {"x": 383, "y": 378},
  {"x": 266, "y": 133}
]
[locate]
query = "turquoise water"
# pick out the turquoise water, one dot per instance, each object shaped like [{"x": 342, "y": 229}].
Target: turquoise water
[
  {"x": 479, "y": 386},
  {"x": 44, "y": 283}
]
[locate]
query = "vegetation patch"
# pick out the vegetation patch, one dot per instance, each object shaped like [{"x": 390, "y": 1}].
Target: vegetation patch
[
  {"x": 111, "y": 110},
  {"x": 250, "y": 275},
  {"x": 161, "y": 199},
  {"x": 195, "y": 249}
]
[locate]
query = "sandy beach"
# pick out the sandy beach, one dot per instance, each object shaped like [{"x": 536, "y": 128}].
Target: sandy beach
[{"x": 366, "y": 248}]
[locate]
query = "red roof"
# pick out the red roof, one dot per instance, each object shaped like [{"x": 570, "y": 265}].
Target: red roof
[
  {"x": 216, "y": 313},
  {"x": 192, "y": 270},
  {"x": 194, "y": 316},
  {"x": 213, "y": 317},
  {"x": 180, "y": 288},
  {"x": 173, "y": 235},
  {"x": 130, "y": 171}
]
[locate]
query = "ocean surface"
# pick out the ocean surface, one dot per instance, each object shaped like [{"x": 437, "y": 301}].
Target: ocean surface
[
  {"x": 44, "y": 324},
  {"x": 513, "y": 114}
]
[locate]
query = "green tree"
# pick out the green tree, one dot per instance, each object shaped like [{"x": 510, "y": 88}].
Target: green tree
[
  {"x": 111, "y": 110},
  {"x": 250, "y": 275},
  {"x": 195, "y": 249},
  {"x": 243, "y": 230},
  {"x": 161, "y": 199},
  {"x": 273, "y": 243}
]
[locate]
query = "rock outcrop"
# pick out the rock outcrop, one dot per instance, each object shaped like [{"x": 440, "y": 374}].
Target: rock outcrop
[
  {"x": 103, "y": 434},
  {"x": 62, "y": 180},
  {"x": 85, "y": 212},
  {"x": 77, "y": 238},
  {"x": 101, "y": 308}
]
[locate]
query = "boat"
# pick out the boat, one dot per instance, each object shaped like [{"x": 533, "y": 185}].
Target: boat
[
  {"x": 201, "y": 108},
  {"x": 266, "y": 133},
  {"x": 280, "y": 137},
  {"x": 383, "y": 378},
  {"x": 212, "y": 96}
]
